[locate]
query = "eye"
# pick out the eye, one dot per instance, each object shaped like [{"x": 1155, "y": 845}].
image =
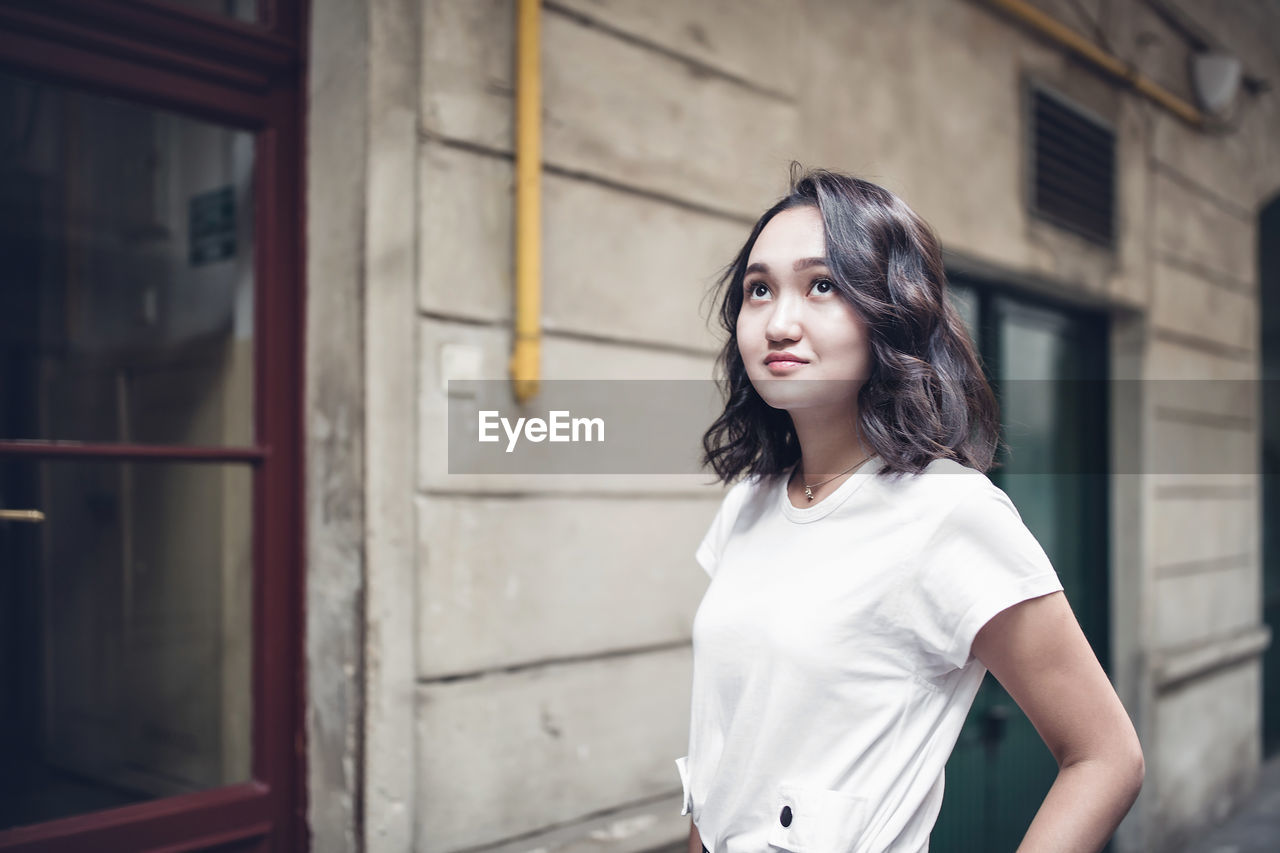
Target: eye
[
  {"x": 754, "y": 287},
  {"x": 822, "y": 282}
]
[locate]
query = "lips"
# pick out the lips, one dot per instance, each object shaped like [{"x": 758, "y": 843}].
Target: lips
[{"x": 785, "y": 357}]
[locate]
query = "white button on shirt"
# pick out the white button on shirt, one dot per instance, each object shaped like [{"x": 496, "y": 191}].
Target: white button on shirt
[{"x": 832, "y": 669}]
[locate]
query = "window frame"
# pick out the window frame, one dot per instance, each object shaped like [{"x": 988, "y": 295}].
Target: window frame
[{"x": 248, "y": 76}]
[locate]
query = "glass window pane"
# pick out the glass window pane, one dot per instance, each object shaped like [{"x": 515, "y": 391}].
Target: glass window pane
[
  {"x": 125, "y": 633},
  {"x": 965, "y": 300},
  {"x": 127, "y": 291},
  {"x": 241, "y": 10}
]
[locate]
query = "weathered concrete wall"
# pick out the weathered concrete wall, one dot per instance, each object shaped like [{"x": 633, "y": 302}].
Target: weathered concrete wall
[
  {"x": 553, "y": 664},
  {"x": 363, "y": 140},
  {"x": 1204, "y": 637},
  {"x": 527, "y": 662},
  {"x": 390, "y": 270},
  {"x": 334, "y": 419}
]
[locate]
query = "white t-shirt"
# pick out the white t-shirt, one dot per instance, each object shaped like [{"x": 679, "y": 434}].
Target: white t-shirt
[{"x": 832, "y": 669}]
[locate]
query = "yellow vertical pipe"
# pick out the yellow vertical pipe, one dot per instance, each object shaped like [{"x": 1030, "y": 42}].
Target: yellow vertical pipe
[{"x": 526, "y": 355}]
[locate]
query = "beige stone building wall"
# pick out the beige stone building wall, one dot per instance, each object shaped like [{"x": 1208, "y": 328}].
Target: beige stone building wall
[{"x": 501, "y": 663}]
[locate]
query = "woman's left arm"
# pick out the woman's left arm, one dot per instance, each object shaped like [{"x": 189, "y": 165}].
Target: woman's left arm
[{"x": 1038, "y": 653}]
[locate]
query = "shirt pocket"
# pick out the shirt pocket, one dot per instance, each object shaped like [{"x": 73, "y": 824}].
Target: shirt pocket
[
  {"x": 682, "y": 764},
  {"x": 816, "y": 820}
]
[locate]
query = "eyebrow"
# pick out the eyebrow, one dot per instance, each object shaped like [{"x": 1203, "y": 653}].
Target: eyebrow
[{"x": 802, "y": 264}]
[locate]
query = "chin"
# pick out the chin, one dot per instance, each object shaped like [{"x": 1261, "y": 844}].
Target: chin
[
  {"x": 793, "y": 394},
  {"x": 788, "y": 393}
]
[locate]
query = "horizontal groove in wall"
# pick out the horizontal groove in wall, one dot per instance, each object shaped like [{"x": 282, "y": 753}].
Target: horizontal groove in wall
[
  {"x": 544, "y": 663},
  {"x": 585, "y": 832},
  {"x": 646, "y": 193},
  {"x": 1205, "y": 274},
  {"x": 1204, "y": 345},
  {"x": 574, "y": 335},
  {"x": 592, "y": 178},
  {"x": 1227, "y": 205},
  {"x": 574, "y": 494},
  {"x": 462, "y": 320},
  {"x": 1190, "y": 568},
  {"x": 613, "y": 340},
  {"x": 425, "y": 135},
  {"x": 1193, "y": 492},
  {"x": 1195, "y": 417},
  {"x": 694, "y": 64},
  {"x": 1172, "y": 668}
]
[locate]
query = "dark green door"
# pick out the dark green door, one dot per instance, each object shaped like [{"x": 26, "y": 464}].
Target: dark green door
[{"x": 1048, "y": 367}]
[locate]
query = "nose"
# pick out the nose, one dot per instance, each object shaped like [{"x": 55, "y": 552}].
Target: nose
[{"x": 784, "y": 319}]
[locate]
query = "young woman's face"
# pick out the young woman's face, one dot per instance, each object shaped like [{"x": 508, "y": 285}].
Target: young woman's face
[{"x": 794, "y": 326}]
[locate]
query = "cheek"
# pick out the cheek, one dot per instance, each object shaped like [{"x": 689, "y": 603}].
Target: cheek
[
  {"x": 853, "y": 332},
  {"x": 846, "y": 344},
  {"x": 744, "y": 348},
  {"x": 839, "y": 331},
  {"x": 745, "y": 333}
]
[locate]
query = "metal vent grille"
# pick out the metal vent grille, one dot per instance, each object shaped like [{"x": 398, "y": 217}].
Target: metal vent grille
[{"x": 1073, "y": 169}]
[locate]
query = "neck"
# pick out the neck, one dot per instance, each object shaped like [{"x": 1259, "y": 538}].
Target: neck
[{"x": 829, "y": 442}]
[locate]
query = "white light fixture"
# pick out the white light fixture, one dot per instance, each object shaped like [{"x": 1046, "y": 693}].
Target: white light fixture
[{"x": 1215, "y": 77}]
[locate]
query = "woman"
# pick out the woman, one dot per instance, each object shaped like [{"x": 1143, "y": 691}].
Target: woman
[{"x": 866, "y": 573}]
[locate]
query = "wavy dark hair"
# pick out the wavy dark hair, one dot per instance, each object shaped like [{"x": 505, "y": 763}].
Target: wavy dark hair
[{"x": 926, "y": 396}]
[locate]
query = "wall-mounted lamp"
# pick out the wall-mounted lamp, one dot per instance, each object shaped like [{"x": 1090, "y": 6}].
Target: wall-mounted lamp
[{"x": 1215, "y": 77}]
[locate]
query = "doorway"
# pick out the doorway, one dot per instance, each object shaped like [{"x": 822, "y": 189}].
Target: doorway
[{"x": 1048, "y": 366}]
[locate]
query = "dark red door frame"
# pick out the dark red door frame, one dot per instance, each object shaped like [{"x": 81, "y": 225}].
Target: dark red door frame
[{"x": 248, "y": 76}]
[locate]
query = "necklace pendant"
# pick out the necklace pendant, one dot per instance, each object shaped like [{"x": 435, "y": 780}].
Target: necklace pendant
[{"x": 808, "y": 494}]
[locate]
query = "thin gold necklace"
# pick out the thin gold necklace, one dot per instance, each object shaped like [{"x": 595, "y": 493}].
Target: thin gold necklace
[{"x": 809, "y": 487}]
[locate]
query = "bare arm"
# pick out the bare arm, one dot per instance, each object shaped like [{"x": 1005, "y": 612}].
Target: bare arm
[
  {"x": 695, "y": 840},
  {"x": 1037, "y": 651}
]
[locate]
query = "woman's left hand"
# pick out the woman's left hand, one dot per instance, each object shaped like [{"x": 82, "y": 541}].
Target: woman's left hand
[{"x": 1038, "y": 653}]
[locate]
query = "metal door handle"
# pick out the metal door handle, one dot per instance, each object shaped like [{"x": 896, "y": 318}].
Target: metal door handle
[
  {"x": 34, "y": 516},
  {"x": 993, "y": 724}
]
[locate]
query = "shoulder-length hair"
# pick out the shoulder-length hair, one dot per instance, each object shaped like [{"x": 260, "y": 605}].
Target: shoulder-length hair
[{"x": 926, "y": 396}]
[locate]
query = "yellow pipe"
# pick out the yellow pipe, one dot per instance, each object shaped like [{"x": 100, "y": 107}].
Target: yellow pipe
[
  {"x": 525, "y": 357},
  {"x": 1069, "y": 38}
]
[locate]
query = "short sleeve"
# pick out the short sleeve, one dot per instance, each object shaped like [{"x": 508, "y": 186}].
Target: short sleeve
[
  {"x": 980, "y": 560},
  {"x": 717, "y": 536}
]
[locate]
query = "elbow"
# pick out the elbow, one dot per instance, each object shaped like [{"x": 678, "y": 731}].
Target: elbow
[
  {"x": 1123, "y": 768},
  {"x": 1134, "y": 769},
  {"x": 1129, "y": 762}
]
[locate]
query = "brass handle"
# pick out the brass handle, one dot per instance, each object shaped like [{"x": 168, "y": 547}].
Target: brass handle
[{"x": 32, "y": 515}]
